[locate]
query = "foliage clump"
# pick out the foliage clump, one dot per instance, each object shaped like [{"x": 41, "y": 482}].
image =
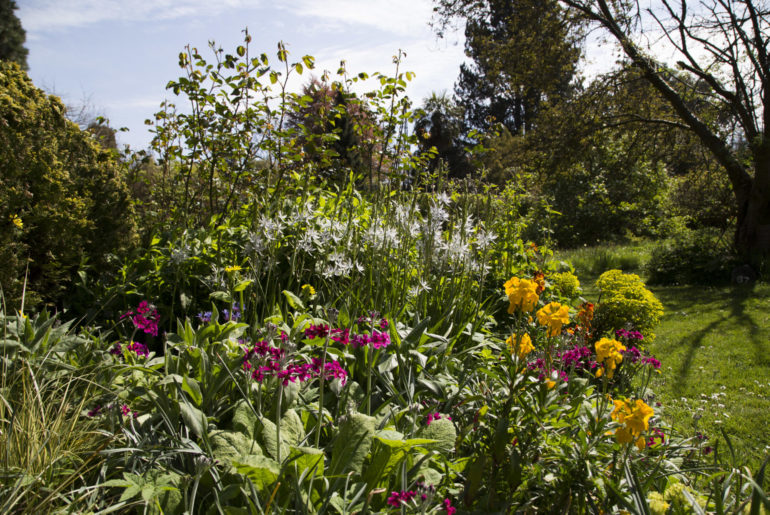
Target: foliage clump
[
  {"x": 690, "y": 257},
  {"x": 63, "y": 200},
  {"x": 625, "y": 301}
]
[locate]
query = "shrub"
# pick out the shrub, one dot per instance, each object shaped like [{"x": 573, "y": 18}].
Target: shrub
[
  {"x": 62, "y": 199},
  {"x": 691, "y": 257},
  {"x": 624, "y": 301},
  {"x": 566, "y": 283}
]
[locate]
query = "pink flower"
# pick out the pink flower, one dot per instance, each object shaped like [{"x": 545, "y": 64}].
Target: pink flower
[{"x": 448, "y": 507}]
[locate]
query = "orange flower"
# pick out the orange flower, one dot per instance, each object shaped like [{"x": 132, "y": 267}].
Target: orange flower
[{"x": 539, "y": 278}]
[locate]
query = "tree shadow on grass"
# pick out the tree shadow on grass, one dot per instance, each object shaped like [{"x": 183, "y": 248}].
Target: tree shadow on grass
[{"x": 732, "y": 302}]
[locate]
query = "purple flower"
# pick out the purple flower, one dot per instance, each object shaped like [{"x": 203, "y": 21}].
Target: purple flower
[
  {"x": 95, "y": 411},
  {"x": 233, "y": 316},
  {"x": 435, "y": 416},
  {"x": 396, "y": 499},
  {"x": 204, "y": 317},
  {"x": 116, "y": 350},
  {"x": 448, "y": 507},
  {"x": 145, "y": 318},
  {"x": 139, "y": 349}
]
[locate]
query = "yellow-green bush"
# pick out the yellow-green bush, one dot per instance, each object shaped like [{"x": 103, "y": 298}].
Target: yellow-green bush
[
  {"x": 624, "y": 300},
  {"x": 63, "y": 200},
  {"x": 566, "y": 283}
]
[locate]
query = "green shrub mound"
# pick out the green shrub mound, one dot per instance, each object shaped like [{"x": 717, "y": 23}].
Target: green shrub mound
[
  {"x": 626, "y": 302},
  {"x": 691, "y": 257},
  {"x": 62, "y": 199}
]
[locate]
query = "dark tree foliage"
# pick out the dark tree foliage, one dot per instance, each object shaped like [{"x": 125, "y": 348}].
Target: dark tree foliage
[
  {"x": 334, "y": 125},
  {"x": 438, "y": 130},
  {"x": 524, "y": 54},
  {"x": 12, "y": 35},
  {"x": 723, "y": 46}
]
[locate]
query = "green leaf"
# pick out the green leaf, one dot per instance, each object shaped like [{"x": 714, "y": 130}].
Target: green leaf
[
  {"x": 193, "y": 418},
  {"x": 441, "y": 434},
  {"x": 193, "y": 389},
  {"x": 261, "y": 470},
  {"x": 352, "y": 444},
  {"x": 241, "y": 50},
  {"x": 242, "y": 285},
  {"x": 293, "y": 300},
  {"x": 307, "y": 458}
]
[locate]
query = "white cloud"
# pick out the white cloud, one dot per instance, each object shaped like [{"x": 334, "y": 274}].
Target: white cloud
[
  {"x": 45, "y": 15},
  {"x": 403, "y": 17}
]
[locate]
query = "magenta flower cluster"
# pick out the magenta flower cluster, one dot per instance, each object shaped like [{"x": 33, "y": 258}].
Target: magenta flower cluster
[
  {"x": 137, "y": 348},
  {"x": 545, "y": 373},
  {"x": 264, "y": 361},
  {"x": 634, "y": 355},
  {"x": 372, "y": 319},
  {"x": 628, "y": 335},
  {"x": 435, "y": 416},
  {"x": 377, "y": 340},
  {"x": 657, "y": 436},
  {"x": 145, "y": 318},
  {"x": 124, "y": 410},
  {"x": 578, "y": 358},
  {"x": 396, "y": 499}
]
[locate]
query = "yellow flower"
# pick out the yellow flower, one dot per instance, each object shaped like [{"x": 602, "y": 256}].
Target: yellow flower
[
  {"x": 608, "y": 352},
  {"x": 15, "y": 220},
  {"x": 657, "y": 503},
  {"x": 522, "y": 294},
  {"x": 520, "y": 345},
  {"x": 233, "y": 268},
  {"x": 306, "y": 288},
  {"x": 554, "y": 315},
  {"x": 635, "y": 417}
]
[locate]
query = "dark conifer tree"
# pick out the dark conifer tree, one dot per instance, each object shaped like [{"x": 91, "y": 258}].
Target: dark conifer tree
[{"x": 12, "y": 35}]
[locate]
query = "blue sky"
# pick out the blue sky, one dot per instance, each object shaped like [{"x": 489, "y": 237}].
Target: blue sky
[{"x": 117, "y": 55}]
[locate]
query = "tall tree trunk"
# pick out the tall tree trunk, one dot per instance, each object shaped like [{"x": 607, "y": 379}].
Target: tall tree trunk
[{"x": 752, "y": 236}]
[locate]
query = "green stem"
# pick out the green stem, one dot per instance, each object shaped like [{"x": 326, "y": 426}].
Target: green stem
[
  {"x": 278, "y": 422},
  {"x": 321, "y": 392}
]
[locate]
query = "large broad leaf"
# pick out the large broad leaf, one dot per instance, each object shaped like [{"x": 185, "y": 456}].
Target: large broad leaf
[
  {"x": 292, "y": 430},
  {"x": 245, "y": 420},
  {"x": 269, "y": 438},
  {"x": 261, "y": 470},
  {"x": 352, "y": 444},
  {"x": 310, "y": 459},
  {"x": 231, "y": 445},
  {"x": 442, "y": 431}
]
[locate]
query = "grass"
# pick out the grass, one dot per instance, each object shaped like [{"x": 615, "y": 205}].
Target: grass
[
  {"x": 714, "y": 343},
  {"x": 715, "y": 347}
]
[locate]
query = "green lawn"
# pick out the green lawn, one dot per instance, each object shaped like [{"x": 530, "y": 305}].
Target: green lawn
[{"x": 714, "y": 345}]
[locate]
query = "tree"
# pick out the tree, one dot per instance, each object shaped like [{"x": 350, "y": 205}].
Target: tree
[
  {"x": 63, "y": 200},
  {"x": 438, "y": 130},
  {"x": 722, "y": 45},
  {"x": 12, "y": 35},
  {"x": 524, "y": 53}
]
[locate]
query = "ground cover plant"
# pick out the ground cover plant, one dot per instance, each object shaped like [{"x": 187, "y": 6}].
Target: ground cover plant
[{"x": 297, "y": 334}]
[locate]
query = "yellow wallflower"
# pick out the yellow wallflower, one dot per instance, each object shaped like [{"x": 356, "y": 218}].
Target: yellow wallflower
[
  {"x": 520, "y": 345},
  {"x": 608, "y": 352},
  {"x": 635, "y": 417},
  {"x": 554, "y": 315},
  {"x": 522, "y": 294},
  {"x": 15, "y": 220},
  {"x": 233, "y": 268}
]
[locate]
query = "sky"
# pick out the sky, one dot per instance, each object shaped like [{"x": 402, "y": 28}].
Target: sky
[{"x": 116, "y": 56}]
